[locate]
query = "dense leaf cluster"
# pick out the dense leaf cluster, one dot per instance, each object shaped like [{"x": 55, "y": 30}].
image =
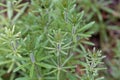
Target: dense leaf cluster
[{"x": 46, "y": 42}]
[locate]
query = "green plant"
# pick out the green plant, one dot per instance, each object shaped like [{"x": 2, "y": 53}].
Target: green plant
[
  {"x": 43, "y": 43},
  {"x": 97, "y": 10},
  {"x": 12, "y": 7},
  {"x": 93, "y": 59},
  {"x": 115, "y": 61},
  {"x": 106, "y": 35}
]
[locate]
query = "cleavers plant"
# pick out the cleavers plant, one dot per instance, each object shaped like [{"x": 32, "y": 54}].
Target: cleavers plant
[{"x": 47, "y": 42}]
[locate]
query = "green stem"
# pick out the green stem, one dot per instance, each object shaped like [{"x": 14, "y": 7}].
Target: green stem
[
  {"x": 59, "y": 62},
  {"x": 58, "y": 75},
  {"x": 9, "y": 10}
]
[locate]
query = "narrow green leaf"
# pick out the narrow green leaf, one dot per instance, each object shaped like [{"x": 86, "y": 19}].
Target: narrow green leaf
[
  {"x": 2, "y": 11},
  {"x": 69, "y": 67},
  {"x": 20, "y": 13},
  {"x": 32, "y": 70},
  {"x": 84, "y": 35},
  {"x": 67, "y": 59},
  {"x": 5, "y": 62},
  {"x": 88, "y": 43},
  {"x": 23, "y": 78},
  {"x": 11, "y": 67},
  {"x": 63, "y": 52},
  {"x": 86, "y": 27},
  {"x": 45, "y": 65},
  {"x": 9, "y": 9},
  {"x": 20, "y": 67},
  {"x": 46, "y": 57},
  {"x": 80, "y": 16},
  {"x": 53, "y": 71},
  {"x": 1, "y": 4}
]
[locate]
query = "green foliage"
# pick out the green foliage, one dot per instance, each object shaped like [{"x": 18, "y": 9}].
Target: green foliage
[
  {"x": 106, "y": 14},
  {"x": 116, "y": 61},
  {"x": 42, "y": 43},
  {"x": 94, "y": 10}
]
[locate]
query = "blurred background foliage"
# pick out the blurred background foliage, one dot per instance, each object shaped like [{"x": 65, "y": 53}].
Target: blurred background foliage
[{"x": 105, "y": 13}]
